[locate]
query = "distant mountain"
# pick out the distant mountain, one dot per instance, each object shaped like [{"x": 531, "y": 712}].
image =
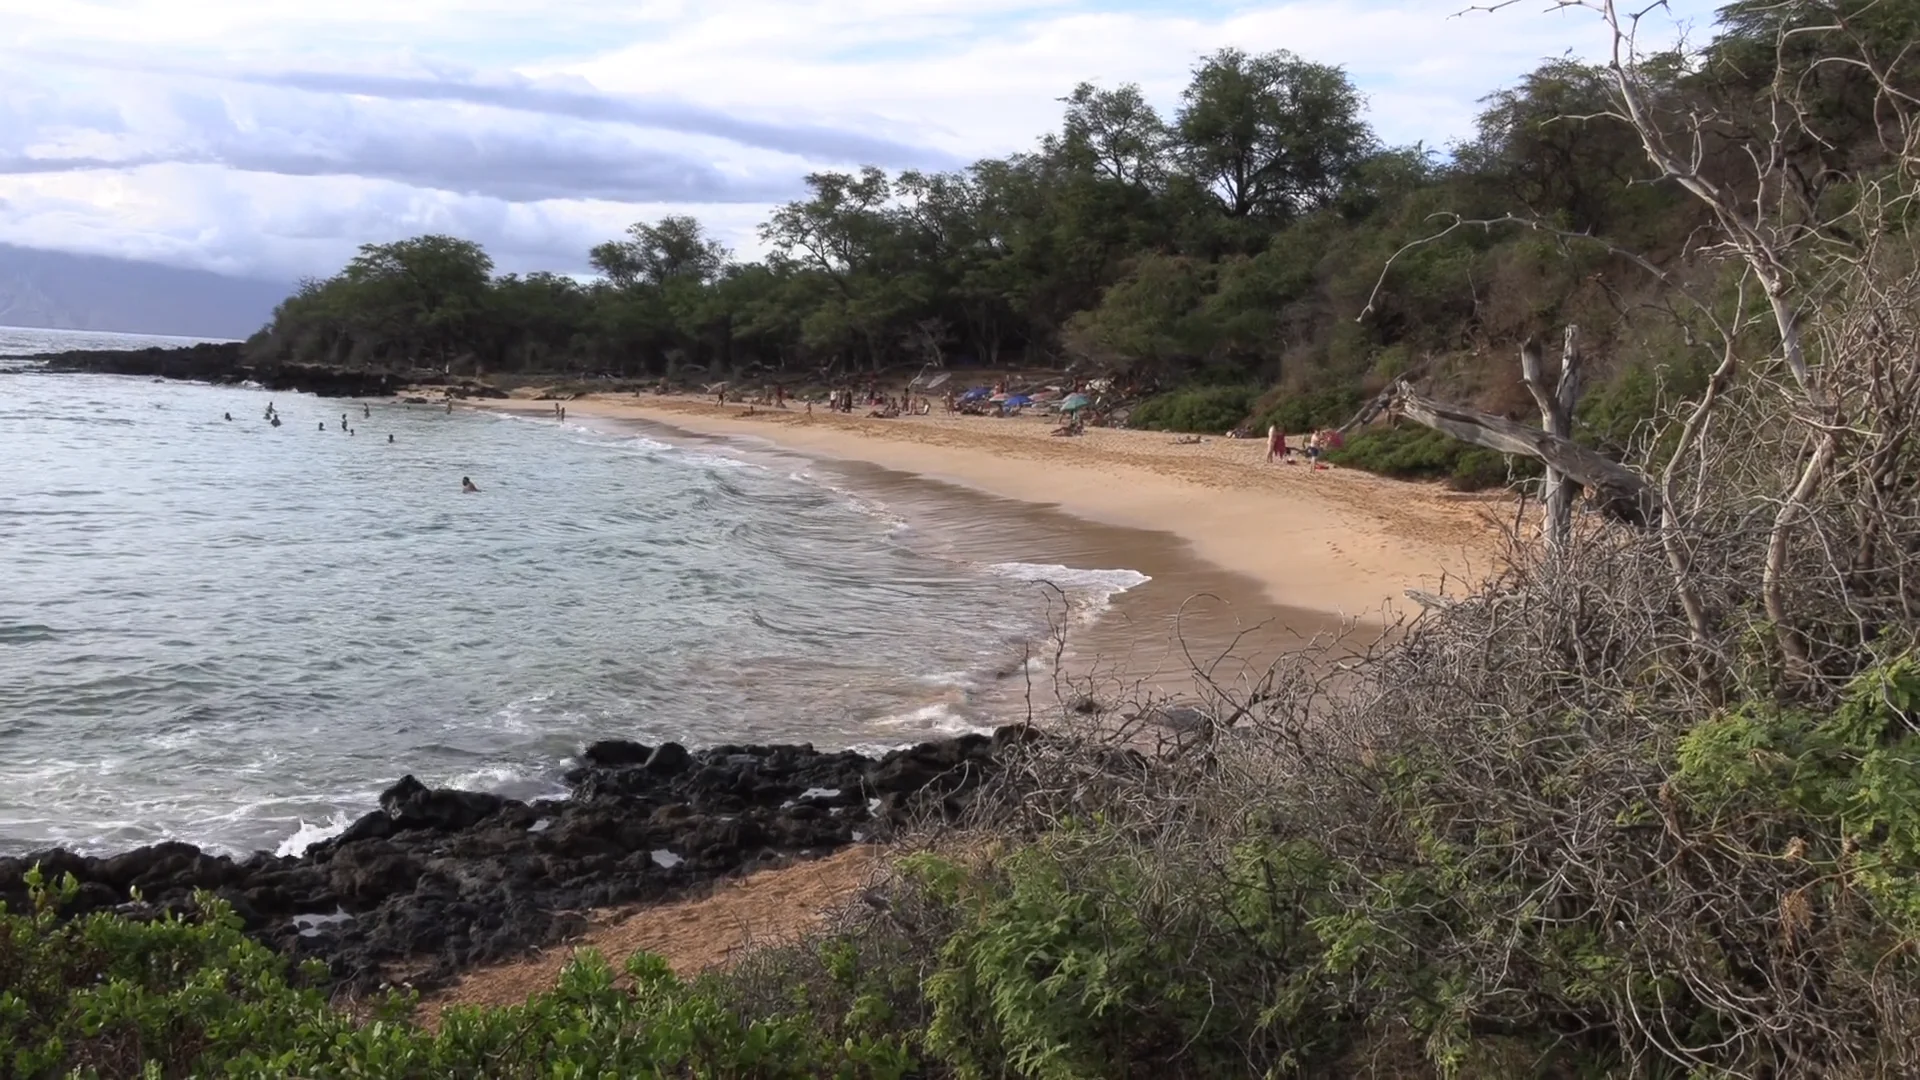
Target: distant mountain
[{"x": 58, "y": 291}]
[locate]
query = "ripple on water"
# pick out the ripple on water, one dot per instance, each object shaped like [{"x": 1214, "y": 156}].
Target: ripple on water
[{"x": 236, "y": 634}]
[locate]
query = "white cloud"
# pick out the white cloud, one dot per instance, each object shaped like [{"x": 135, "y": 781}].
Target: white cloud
[{"x": 273, "y": 136}]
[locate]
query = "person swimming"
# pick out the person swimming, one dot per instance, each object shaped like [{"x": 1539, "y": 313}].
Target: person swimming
[
  {"x": 467, "y": 488},
  {"x": 389, "y": 438},
  {"x": 229, "y": 418},
  {"x": 275, "y": 421},
  {"x": 323, "y": 425}
]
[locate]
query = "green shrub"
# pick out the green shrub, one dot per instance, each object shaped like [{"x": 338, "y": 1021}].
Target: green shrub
[
  {"x": 1208, "y": 410},
  {"x": 1075, "y": 963},
  {"x": 1310, "y": 410},
  {"x": 1414, "y": 452},
  {"x": 1840, "y": 791},
  {"x": 104, "y": 996},
  {"x": 1765, "y": 847},
  {"x": 1614, "y": 415}
]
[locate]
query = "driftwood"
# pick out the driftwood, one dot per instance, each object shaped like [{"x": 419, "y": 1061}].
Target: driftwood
[
  {"x": 1384, "y": 399},
  {"x": 1617, "y": 490}
]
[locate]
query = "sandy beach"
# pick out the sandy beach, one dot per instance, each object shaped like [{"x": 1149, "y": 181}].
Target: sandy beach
[{"x": 1340, "y": 542}]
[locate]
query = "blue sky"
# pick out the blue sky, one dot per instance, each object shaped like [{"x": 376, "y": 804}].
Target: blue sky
[{"x": 271, "y": 137}]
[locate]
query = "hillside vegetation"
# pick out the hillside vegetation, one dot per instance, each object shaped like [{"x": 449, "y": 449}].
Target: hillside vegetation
[
  {"x": 1237, "y": 242},
  {"x": 1645, "y": 805}
]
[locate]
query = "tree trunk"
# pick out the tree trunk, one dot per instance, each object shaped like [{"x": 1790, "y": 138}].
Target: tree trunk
[{"x": 1556, "y": 418}]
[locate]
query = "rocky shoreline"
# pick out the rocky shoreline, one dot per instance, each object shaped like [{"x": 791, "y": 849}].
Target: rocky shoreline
[
  {"x": 437, "y": 881},
  {"x": 225, "y": 363}
]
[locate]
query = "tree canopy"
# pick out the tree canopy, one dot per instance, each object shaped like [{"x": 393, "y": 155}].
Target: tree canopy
[{"x": 1236, "y": 240}]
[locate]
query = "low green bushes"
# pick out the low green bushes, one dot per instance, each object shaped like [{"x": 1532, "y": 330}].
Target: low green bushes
[
  {"x": 1311, "y": 410},
  {"x": 1555, "y": 893},
  {"x": 1414, "y": 452},
  {"x": 1209, "y": 410},
  {"x": 104, "y": 996}
]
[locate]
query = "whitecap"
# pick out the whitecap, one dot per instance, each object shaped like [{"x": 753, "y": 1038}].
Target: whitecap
[
  {"x": 938, "y": 718},
  {"x": 485, "y": 779},
  {"x": 310, "y": 834},
  {"x": 1090, "y": 591}
]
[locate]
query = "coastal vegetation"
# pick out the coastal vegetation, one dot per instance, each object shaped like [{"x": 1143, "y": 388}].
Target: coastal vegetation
[
  {"x": 1645, "y": 804},
  {"x": 1235, "y": 242}
]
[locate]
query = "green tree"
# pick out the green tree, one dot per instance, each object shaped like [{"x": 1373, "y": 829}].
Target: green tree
[
  {"x": 675, "y": 248},
  {"x": 1115, "y": 133},
  {"x": 1270, "y": 135},
  {"x": 846, "y": 233},
  {"x": 420, "y": 297}
]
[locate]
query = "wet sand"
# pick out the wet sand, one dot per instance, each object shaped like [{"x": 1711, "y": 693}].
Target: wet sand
[{"x": 1248, "y": 560}]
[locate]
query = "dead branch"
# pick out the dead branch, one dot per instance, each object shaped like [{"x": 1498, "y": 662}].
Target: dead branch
[{"x": 1617, "y": 490}]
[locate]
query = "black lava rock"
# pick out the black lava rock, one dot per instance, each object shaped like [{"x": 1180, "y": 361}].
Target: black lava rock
[{"x": 437, "y": 880}]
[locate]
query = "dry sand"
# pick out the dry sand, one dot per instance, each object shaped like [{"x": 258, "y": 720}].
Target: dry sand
[
  {"x": 1336, "y": 541},
  {"x": 769, "y": 907},
  {"x": 1312, "y": 547}
]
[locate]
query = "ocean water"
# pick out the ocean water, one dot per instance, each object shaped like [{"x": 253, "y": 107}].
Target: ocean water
[
  {"x": 27, "y": 341},
  {"x": 237, "y": 635}
]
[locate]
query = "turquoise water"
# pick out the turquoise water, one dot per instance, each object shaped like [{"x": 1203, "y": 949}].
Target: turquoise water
[{"x": 231, "y": 633}]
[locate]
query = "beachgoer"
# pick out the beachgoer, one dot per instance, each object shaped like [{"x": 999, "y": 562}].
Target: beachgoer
[
  {"x": 323, "y": 425},
  {"x": 467, "y": 488},
  {"x": 275, "y": 421},
  {"x": 366, "y": 411},
  {"x": 389, "y": 438},
  {"x": 1276, "y": 443},
  {"x": 563, "y": 412},
  {"x": 449, "y": 405},
  {"x": 229, "y": 417},
  {"x": 1313, "y": 450},
  {"x": 343, "y": 419}
]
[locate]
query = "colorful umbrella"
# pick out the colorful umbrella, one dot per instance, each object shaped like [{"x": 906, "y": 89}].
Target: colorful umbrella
[{"x": 1075, "y": 402}]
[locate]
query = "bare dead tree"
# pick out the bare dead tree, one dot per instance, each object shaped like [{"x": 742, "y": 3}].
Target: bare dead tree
[{"x": 1556, "y": 417}]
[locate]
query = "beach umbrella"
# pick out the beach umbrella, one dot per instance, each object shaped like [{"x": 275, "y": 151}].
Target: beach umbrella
[
  {"x": 975, "y": 394},
  {"x": 1075, "y": 402},
  {"x": 1017, "y": 400}
]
